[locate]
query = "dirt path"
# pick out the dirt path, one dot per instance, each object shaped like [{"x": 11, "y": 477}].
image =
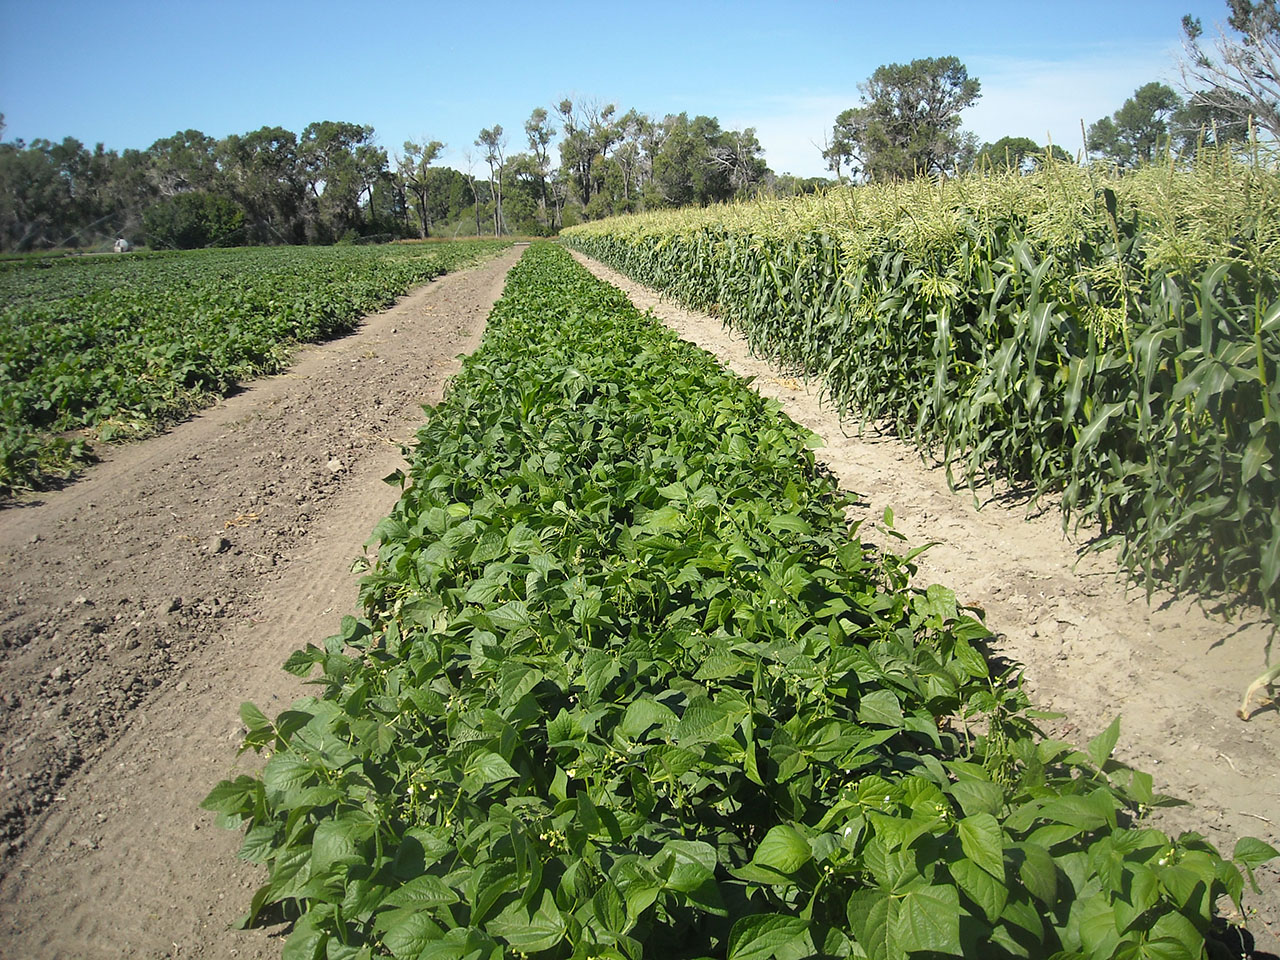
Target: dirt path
[
  {"x": 142, "y": 605},
  {"x": 1092, "y": 648}
]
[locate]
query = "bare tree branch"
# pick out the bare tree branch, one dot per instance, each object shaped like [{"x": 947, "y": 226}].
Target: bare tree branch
[{"x": 1240, "y": 75}]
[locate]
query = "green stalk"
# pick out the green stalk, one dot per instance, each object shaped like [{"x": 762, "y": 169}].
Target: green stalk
[{"x": 1257, "y": 349}]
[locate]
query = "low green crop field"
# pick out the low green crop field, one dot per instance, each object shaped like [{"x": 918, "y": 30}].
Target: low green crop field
[
  {"x": 118, "y": 346},
  {"x": 627, "y": 684}
]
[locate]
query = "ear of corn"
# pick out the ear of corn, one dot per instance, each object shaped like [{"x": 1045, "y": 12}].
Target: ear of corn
[{"x": 1112, "y": 339}]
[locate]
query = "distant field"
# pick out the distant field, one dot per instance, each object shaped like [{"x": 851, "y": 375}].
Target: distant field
[{"x": 116, "y": 346}]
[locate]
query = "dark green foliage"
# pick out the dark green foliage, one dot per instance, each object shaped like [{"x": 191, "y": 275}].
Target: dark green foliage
[
  {"x": 333, "y": 183},
  {"x": 1139, "y": 130},
  {"x": 1016, "y": 153},
  {"x": 619, "y": 164},
  {"x": 191, "y": 221},
  {"x": 121, "y": 345},
  {"x": 626, "y": 686},
  {"x": 909, "y": 122},
  {"x": 55, "y": 194}
]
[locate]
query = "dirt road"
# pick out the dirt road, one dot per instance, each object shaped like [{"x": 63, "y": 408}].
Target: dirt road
[
  {"x": 1093, "y": 648},
  {"x": 140, "y": 606}
]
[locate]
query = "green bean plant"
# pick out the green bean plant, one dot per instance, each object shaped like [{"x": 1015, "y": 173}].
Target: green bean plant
[{"x": 627, "y": 684}]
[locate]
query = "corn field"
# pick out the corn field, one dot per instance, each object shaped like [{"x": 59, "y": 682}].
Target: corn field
[{"x": 1111, "y": 339}]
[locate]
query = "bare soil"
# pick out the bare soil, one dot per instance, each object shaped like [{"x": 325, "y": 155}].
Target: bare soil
[
  {"x": 140, "y": 606},
  {"x": 1092, "y": 646}
]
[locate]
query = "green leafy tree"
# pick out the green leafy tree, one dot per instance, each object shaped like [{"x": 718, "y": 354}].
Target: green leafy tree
[
  {"x": 674, "y": 164},
  {"x": 631, "y": 162},
  {"x": 448, "y": 197},
  {"x": 540, "y": 133},
  {"x": 36, "y": 201},
  {"x": 1136, "y": 132},
  {"x": 340, "y": 165},
  {"x": 588, "y": 134},
  {"x": 741, "y": 156},
  {"x": 840, "y": 149},
  {"x": 494, "y": 143},
  {"x": 475, "y": 187},
  {"x": 186, "y": 161},
  {"x": 1007, "y": 153},
  {"x": 126, "y": 193},
  {"x": 789, "y": 185},
  {"x": 193, "y": 220},
  {"x": 1207, "y": 119},
  {"x": 1016, "y": 153},
  {"x": 56, "y": 193},
  {"x": 909, "y": 121},
  {"x": 260, "y": 171},
  {"x": 522, "y": 209},
  {"x": 413, "y": 169},
  {"x": 387, "y": 209},
  {"x": 698, "y": 162},
  {"x": 711, "y": 183},
  {"x": 1239, "y": 76}
]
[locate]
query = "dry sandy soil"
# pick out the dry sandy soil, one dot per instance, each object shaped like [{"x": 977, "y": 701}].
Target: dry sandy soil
[
  {"x": 1092, "y": 648},
  {"x": 140, "y": 606}
]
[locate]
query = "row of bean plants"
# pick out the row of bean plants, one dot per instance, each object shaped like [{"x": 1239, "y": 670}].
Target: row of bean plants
[
  {"x": 117, "y": 346},
  {"x": 627, "y": 684},
  {"x": 1114, "y": 339}
]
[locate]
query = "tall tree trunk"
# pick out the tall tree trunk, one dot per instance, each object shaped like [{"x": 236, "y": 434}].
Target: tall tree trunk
[
  {"x": 497, "y": 210},
  {"x": 493, "y": 196}
]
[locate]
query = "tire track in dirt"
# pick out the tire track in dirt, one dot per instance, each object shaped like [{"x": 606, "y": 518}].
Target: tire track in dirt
[
  {"x": 1091, "y": 646},
  {"x": 144, "y": 603}
]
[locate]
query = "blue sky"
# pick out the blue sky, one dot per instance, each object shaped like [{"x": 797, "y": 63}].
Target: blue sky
[{"x": 127, "y": 72}]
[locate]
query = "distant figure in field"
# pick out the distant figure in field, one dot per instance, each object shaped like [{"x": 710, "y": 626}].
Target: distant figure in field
[{"x": 122, "y": 245}]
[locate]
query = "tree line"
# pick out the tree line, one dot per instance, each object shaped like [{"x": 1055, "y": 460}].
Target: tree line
[
  {"x": 333, "y": 182},
  {"x": 907, "y": 123}
]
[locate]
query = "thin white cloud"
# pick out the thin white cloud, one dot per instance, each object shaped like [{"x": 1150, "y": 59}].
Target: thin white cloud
[
  {"x": 1040, "y": 99},
  {"x": 1049, "y": 99},
  {"x": 792, "y": 129}
]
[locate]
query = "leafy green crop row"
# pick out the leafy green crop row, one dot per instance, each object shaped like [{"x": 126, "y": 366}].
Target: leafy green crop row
[
  {"x": 120, "y": 345},
  {"x": 1117, "y": 341},
  {"x": 628, "y": 685}
]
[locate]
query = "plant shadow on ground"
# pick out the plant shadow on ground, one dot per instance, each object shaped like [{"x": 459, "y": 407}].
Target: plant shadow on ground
[
  {"x": 49, "y": 483},
  {"x": 1233, "y": 941}
]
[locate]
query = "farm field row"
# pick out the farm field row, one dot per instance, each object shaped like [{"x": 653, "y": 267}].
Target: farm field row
[
  {"x": 1113, "y": 340},
  {"x": 625, "y": 683},
  {"x": 114, "y": 347}
]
